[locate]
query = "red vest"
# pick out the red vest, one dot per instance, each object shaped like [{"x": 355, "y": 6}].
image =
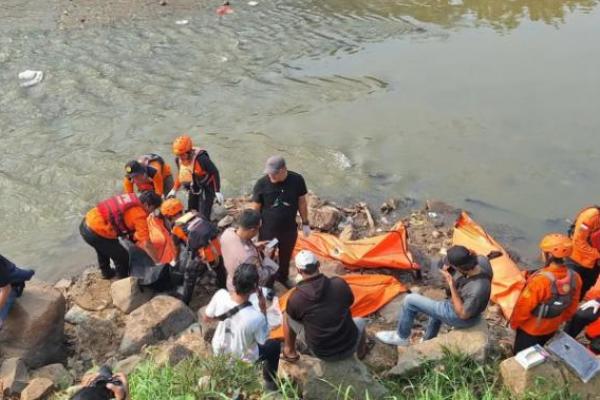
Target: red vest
[{"x": 113, "y": 211}]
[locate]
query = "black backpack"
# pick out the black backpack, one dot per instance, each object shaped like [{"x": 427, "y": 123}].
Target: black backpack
[{"x": 559, "y": 301}]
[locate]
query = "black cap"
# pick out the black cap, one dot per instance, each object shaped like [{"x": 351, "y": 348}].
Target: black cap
[
  {"x": 461, "y": 258},
  {"x": 133, "y": 167}
]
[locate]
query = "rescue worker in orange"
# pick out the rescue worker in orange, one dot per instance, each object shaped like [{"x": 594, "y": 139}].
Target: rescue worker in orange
[
  {"x": 122, "y": 216},
  {"x": 197, "y": 174},
  {"x": 550, "y": 296},
  {"x": 588, "y": 317},
  {"x": 585, "y": 234},
  {"x": 197, "y": 246},
  {"x": 149, "y": 172}
]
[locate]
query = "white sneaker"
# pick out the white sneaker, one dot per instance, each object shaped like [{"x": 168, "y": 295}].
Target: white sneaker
[{"x": 391, "y": 337}]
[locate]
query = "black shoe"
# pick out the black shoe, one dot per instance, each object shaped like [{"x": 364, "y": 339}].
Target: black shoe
[
  {"x": 108, "y": 273},
  {"x": 270, "y": 386}
]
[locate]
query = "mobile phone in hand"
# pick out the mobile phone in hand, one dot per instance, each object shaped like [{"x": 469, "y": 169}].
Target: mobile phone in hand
[{"x": 272, "y": 244}]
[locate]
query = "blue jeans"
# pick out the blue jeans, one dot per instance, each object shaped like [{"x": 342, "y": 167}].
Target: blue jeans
[
  {"x": 9, "y": 303},
  {"x": 438, "y": 311}
]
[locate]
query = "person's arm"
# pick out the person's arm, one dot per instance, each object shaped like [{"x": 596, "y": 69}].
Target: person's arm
[
  {"x": 210, "y": 310},
  {"x": 210, "y": 168},
  {"x": 177, "y": 183},
  {"x": 257, "y": 200},
  {"x": 569, "y": 312},
  {"x": 581, "y": 235},
  {"x": 303, "y": 209},
  {"x": 457, "y": 302},
  {"x": 4, "y": 294},
  {"x": 157, "y": 181},
  {"x": 127, "y": 185},
  {"x": 530, "y": 297},
  {"x": 142, "y": 232}
]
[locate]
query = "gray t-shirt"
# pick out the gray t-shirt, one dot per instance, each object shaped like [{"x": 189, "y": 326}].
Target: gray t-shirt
[{"x": 475, "y": 291}]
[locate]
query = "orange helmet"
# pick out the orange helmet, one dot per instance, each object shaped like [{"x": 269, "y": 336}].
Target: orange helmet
[
  {"x": 557, "y": 244},
  {"x": 182, "y": 144},
  {"x": 171, "y": 207}
]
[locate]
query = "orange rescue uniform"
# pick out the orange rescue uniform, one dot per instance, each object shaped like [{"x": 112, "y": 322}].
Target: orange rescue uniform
[
  {"x": 209, "y": 253},
  {"x": 148, "y": 183},
  {"x": 584, "y": 253},
  {"x": 134, "y": 218},
  {"x": 538, "y": 290}
]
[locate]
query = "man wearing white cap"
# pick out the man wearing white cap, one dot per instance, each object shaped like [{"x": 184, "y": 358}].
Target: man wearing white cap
[
  {"x": 318, "y": 311},
  {"x": 279, "y": 196}
]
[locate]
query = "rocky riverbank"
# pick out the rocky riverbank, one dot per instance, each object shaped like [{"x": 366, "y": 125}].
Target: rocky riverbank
[{"x": 55, "y": 334}]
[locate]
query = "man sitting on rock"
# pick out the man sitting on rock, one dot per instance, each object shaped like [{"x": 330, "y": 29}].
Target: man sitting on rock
[
  {"x": 318, "y": 311},
  {"x": 237, "y": 248},
  {"x": 470, "y": 289},
  {"x": 243, "y": 331}
]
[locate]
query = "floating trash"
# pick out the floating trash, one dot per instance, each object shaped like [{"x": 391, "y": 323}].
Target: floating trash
[
  {"x": 253, "y": 3},
  {"x": 182, "y": 22},
  {"x": 30, "y": 78}
]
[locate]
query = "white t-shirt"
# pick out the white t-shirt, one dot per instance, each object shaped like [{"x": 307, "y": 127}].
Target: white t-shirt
[{"x": 248, "y": 327}]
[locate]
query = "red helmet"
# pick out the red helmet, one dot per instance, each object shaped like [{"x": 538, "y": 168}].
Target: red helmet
[{"x": 182, "y": 144}]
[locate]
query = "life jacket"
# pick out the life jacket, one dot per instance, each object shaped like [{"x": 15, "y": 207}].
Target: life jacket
[
  {"x": 113, "y": 211},
  {"x": 200, "y": 235},
  {"x": 188, "y": 173},
  {"x": 594, "y": 236},
  {"x": 561, "y": 298}
]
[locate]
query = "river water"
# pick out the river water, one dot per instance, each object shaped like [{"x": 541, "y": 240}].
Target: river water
[{"x": 492, "y": 101}]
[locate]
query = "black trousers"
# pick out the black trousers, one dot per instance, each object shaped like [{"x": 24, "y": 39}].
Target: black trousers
[
  {"x": 580, "y": 320},
  {"x": 589, "y": 276},
  {"x": 524, "y": 340},
  {"x": 287, "y": 241},
  {"x": 269, "y": 354},
  {"x": 202, "y": 202},
  {"x": 106, "y": 250}
]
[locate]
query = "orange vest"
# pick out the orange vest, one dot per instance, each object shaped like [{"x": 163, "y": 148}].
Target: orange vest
[
  {"x": 586, "y": 226},
  {"x": 193, "y": 172}
]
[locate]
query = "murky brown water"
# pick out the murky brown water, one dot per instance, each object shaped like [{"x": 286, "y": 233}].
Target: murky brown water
[{"x": 495, "y": 101}]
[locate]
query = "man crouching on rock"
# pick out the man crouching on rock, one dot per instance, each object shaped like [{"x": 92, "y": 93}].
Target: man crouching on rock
[
  {"x": 318, "y": 312},
  {"x": 12, "y": 283},
  {"x": 470, "y": 290}
]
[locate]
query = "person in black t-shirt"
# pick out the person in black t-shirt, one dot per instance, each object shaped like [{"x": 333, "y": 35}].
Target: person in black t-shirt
[{"x": 279, "y": 196}]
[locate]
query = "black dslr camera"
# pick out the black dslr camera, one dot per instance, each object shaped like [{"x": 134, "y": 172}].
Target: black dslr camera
[{"x": 97, "y": 390}]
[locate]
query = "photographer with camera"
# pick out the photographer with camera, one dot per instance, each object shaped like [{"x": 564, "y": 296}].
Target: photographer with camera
[
  {"x": 103, "y": 386},
  {"x": 470, "y": 280}
]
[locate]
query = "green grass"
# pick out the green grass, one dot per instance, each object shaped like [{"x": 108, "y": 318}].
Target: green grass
[{"x": 455, "y": 377}]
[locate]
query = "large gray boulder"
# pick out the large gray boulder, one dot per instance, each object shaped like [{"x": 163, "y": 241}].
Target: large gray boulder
[
  {"x": 127, "y": 295},
  {"x": 472, "y": 341},
  {"x": 157, "y": 320},
  {"x": 548, "y": 376},
  {"x": 324, "y": 218},
  {"x": 321, "y": 380},
  {"x": 34, "y": 330}
]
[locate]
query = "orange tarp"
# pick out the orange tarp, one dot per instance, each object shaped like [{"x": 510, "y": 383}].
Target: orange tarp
[
  {"x": 388, "y": 250},
  {"x": 371, "y": 292},
  {"x": 161, "y": 240},
  {"x": 508, "y": 280}
]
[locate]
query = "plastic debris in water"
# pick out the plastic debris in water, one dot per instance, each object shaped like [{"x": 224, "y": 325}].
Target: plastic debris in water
[
  {"x": 182, "y": 22},
  {"x": 253, "y": 3},
  {"x": 30, "y": 78},
  {"x": 224, "y": 9}
]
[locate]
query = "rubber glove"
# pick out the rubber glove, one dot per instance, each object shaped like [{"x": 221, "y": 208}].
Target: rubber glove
[
  {"x": 219, "y": 197},
  {"x": 172, "y": 193},
  {"x": 593, "y": 304},
  {"x": 306, "y": 230}
]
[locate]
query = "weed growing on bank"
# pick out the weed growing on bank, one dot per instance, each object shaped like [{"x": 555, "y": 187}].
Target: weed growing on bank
[{"x": 455, "y": 377}]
